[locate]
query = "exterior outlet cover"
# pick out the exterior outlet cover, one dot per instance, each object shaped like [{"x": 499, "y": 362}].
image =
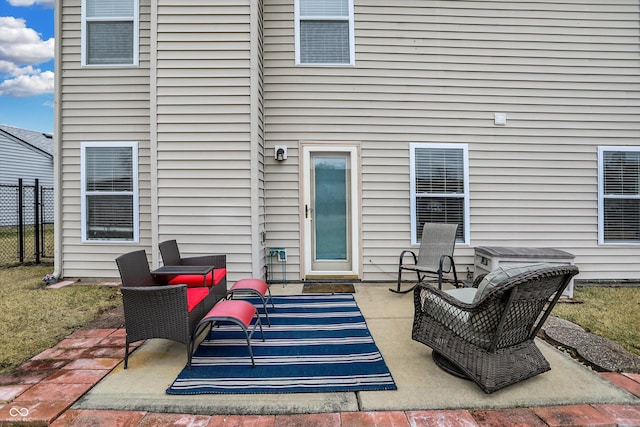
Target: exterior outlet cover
[{"x": 500, "y": 119}]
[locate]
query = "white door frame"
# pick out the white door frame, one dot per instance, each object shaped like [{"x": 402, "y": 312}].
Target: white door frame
[{"x": 305, "y": 199}]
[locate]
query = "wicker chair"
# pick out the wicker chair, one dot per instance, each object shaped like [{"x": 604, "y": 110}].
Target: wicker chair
[
  {"x": 153, "y": 309},
  {"x": 488, "y": 337},
  {"x": 434, "y": 257},
  {"x": 171, "y": 256}
]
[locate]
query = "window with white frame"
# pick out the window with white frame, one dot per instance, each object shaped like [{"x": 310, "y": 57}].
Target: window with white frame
[
  {"x": 109, "y": 179},
  {"x": 110, "y": 32},
  {"x": 619, "y": 195},
  {"x": 439, "y": 187},
  {"x": 324, "y": 32}
]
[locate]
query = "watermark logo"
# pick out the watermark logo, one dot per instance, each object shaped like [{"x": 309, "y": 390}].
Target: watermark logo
[{"x": 18, "y": 412}]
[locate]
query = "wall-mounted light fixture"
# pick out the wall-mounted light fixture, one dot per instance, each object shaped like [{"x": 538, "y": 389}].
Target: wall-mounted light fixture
[{"x": 280, "y": 152}]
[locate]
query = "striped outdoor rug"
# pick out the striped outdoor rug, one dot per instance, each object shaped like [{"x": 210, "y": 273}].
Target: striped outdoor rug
[{"x": 316, "y": 343}]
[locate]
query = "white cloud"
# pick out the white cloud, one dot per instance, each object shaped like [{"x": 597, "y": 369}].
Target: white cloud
[
  {"x": 23, "y": 45},
  {"x": 38, "y": 83},
  {"x": 46, "y": 3},
  {"x": 20, "y": 49}
]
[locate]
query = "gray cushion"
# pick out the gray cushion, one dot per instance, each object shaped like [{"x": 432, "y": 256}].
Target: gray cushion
[
  {"x": 465, "y": 295},
  {"x": 500, "y": 274}
]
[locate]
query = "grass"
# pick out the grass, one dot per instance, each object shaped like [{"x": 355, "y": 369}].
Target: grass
[
  {"x": 613, "y": 313},
  {"x": 9, "y": 244},
  {"x": 33, "y": 318}
]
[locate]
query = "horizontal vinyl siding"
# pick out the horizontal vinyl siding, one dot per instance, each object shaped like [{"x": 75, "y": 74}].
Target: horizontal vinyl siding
[
  {"x": 204, "y": 119},
  {"x": 565, "y": 73},
  {"x": 99, "y": 104},
  {"x": 26, "y": 162}
]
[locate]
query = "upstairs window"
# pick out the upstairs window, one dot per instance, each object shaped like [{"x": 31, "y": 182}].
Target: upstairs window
[
  {"x": 619, "y": 195},
  {"x": 110, "y": 32},
  {"x": 439, "y": 188},
  {"x": 324, "y": 32},
  {"x": 109, "y": 180}
]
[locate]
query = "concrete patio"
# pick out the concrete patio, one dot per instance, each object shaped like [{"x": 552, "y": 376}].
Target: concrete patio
[{"x": 81, "y": 381}]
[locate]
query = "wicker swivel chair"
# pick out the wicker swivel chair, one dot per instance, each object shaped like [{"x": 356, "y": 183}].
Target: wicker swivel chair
[
  {"x": 435, "y": 256},
  {"x": 487, "y": 334}
]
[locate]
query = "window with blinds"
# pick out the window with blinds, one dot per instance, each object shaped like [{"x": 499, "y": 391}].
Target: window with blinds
[
  {"x": 619, "y": 194},
  {"x": 110, "y": 32},
  {"x": 439, "y": 182},
  {"x": 109, "y": 187},
  {"x": 324, "y": 32}
]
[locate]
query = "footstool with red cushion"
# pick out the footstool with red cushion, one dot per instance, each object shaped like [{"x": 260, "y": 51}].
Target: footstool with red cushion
[
  {"x": 235, "y": 311},
  {"x": 255, "y": 287}
]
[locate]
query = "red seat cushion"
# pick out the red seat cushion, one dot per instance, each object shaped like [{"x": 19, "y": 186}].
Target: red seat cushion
[
  {"x": 192, "y": 280},
  {"x": 234, "y": 309},
  {"x": 195, "y": 296},
  {"x": 252, "y": 284}
]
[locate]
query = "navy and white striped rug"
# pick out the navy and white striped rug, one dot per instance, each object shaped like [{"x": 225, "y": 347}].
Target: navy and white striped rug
[{"x": 316, "y": 343}]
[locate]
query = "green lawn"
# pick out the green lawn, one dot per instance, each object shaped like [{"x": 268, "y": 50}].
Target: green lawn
[
  {"x": 33, "y": 319},
  {"x": 613, "y": 313}
]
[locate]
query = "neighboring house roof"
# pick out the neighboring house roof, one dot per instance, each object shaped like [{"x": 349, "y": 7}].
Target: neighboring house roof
[{"x": 39, "y": 140}]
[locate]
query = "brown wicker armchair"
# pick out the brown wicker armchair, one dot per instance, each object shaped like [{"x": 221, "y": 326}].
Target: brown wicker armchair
[
  {"x": 153, "y": 309},
  {"x": 487, "y": 334}
]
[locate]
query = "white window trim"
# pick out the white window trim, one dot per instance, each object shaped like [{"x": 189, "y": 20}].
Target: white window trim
[
  {"x": 412, "y": 173},
  {"x": 601, "y": 196},
  {"x": 135, "y": 192},
  {"x": 136, "y": 36},
  {"x": 352, "y": 37}
]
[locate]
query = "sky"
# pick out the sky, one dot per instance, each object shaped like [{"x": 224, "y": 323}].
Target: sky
[{"x": 26, "y": 64}]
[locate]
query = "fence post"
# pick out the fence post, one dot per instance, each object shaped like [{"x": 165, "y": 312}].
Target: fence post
[
  {"x": 20, "y": 222},
  {"x": 36, "y": 220}
]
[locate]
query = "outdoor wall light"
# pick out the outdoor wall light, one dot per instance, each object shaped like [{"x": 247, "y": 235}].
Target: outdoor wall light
[{"x": 281, "y": 152}]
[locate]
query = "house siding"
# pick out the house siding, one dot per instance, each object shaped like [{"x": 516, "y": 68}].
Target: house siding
[
  {"x": 209, "y": 130},
  {"x": 21, "y": 161},
  {"x": 97, "y": 104},
  {"x": 214, "y": 93},
  {"x": 565, "y": 73}
]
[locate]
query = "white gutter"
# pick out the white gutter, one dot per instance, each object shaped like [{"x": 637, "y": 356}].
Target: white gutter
[{"x": 57, "y": 138}]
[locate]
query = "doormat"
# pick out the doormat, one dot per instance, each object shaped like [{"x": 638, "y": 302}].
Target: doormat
[
  {"x": 328, "y": 288},
  {"x": 316, "y": 343}
]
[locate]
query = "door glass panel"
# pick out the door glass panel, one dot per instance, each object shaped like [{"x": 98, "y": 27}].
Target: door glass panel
[{"x": 331, "y": 207}]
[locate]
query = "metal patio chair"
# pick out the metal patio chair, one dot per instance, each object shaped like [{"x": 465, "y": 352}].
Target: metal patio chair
[{"x": 434, "y": 257}]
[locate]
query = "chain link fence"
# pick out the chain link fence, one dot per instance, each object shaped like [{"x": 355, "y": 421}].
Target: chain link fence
[{"x": 26, "y": 224}]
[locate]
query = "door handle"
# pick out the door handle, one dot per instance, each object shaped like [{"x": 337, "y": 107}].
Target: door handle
[{"x": 307, "y": 211}]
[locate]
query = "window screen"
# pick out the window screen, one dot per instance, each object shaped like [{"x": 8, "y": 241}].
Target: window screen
[
  {"x": 620, "y": 196},
  {"x": 109, "y": 188},
  {"x": 438, "y": 188},
  {"x": 110, "y": 42},
  {"x": 325, "y": 31},
  {"x": 110, "y": 32}
]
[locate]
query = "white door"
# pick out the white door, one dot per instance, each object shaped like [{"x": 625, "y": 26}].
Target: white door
[{"x": 330, "y": 211}]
